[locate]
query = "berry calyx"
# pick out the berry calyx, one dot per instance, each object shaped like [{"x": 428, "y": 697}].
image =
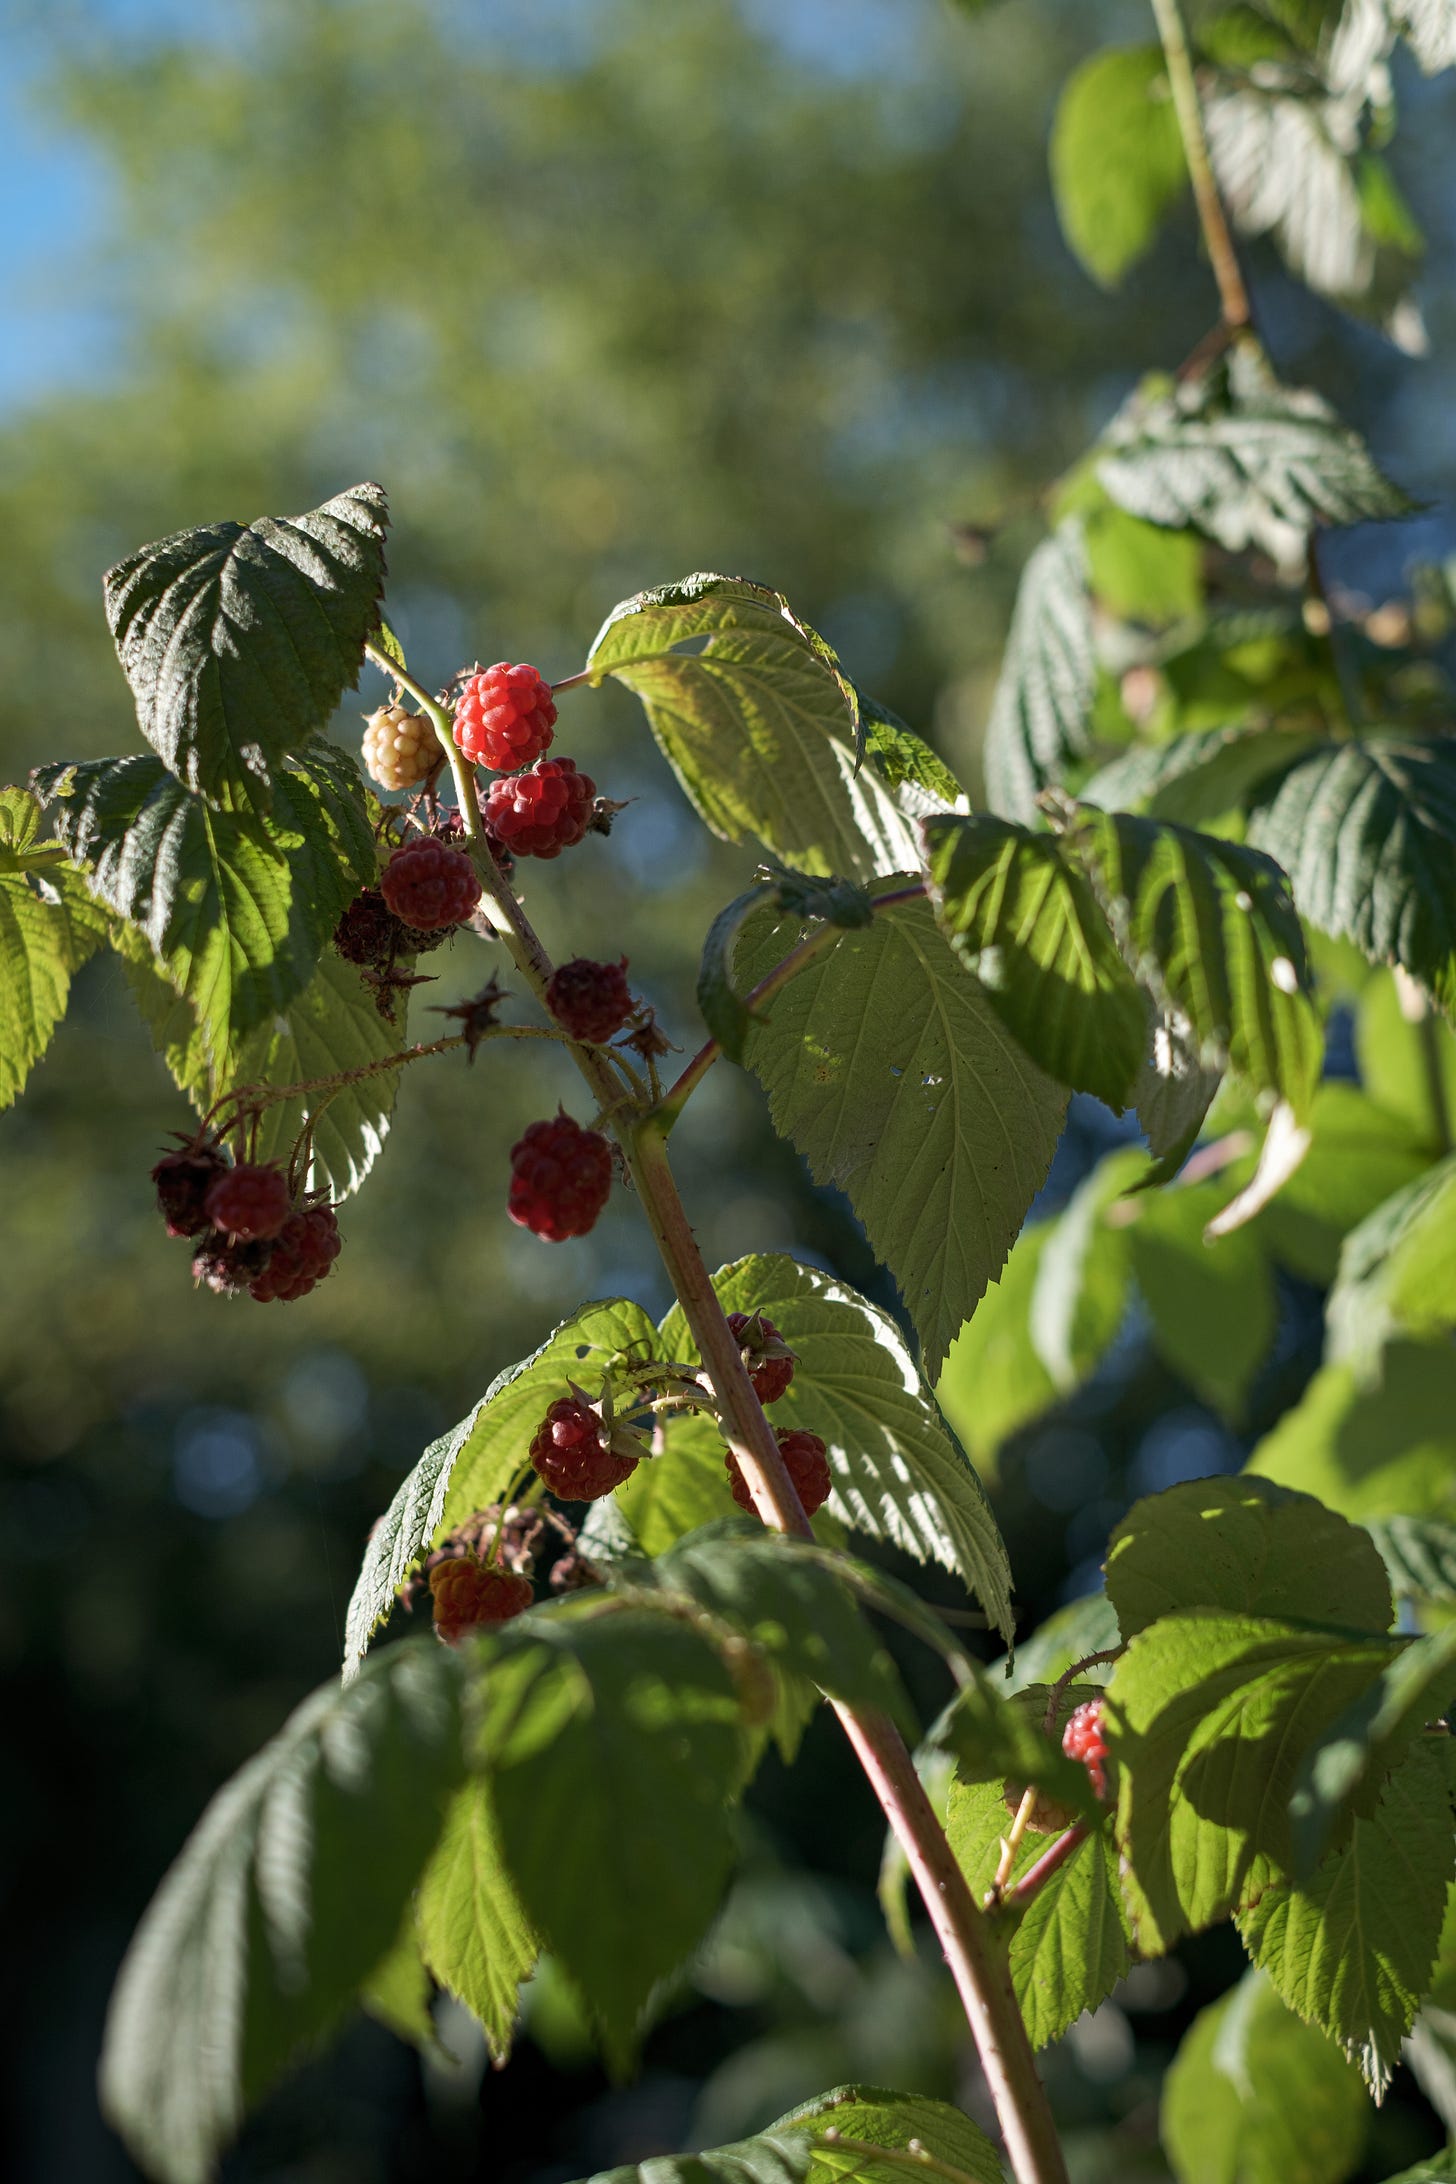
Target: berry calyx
[
  {"x": 299, "y": 1258},
  {"x": 504, "y": 717},
  {"x": 400, "y": 747},
  {"x": 430, "y": 886},
  {"x": 183, "y": 1180},
  {"x": 807, "y": 1462},
  {"x": 467, "y": 1594},
  {"x": 249, "y": 1202},
  {"x": 542, "y": 811},
  {"x": 229, "y": 1269},
  {"x": 769, "y": 1359},
  {"x": 572, "y": 1450},
  {"x": 1082, "y": 1739},
  {"x": 561, "y": 1177},
  {"x": 590, "y": 1000}
]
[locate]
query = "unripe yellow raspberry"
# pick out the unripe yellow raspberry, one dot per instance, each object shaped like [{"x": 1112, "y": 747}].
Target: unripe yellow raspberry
[{"x": 400, "y": 747}]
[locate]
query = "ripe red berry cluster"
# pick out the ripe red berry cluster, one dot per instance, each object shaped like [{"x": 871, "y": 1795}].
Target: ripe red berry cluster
[
  {"x": 504, "y": 717},
  {"x": 561, "y": 1177},
  {"x": 768, "y": 1357},
  {"x": 572, "y": 1451},
  {"x": 467, "y": 1594},
  {"x": 542, "y": 811},
  {"x": 1082, "y": 1739},
  {"x": 805, "y": 1458},
  {"x": 250, "y": 1235},
  {"x": 590, "y": 1000},
  {"x": 429, "y": 886}
]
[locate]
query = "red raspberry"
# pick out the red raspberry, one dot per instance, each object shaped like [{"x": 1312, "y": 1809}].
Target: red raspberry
[
  {"x": 300, "y": 1258},
  {"x": 807, "y": 1461},
  {"x": 248, "y": 1202},
  {"x": 227, "y": 1268},
  {"x": 429, "y": 886},
  {"x": 542, "y": 811},
  {"x": 572, "y": 1451},
  {"x": 768, "y": 1357},
  {"x": 468, "y": 1594},
  {"x": 1083, "y": 1739},
  {"x": 183, "y": 1179},
  {"x": 400, "y": 747},
  {"x": 561, "y": 1177},
  {"x": 590, "y": 1000},
  {"x": 504, "y": 717}
]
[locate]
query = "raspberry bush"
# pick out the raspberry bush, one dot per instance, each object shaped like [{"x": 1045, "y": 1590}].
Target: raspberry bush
[{"x": 1203, "y": 776}]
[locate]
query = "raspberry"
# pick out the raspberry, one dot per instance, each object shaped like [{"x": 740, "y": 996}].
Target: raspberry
[
  {"x": 400, "y": 747},
  {"x": 468, "y": 1594},
  {"x": 590, "y": 1000},
  {"x": 182, "y": 1179},
  {"x": 504, "y": 717},
  {"x": 301, "y": 1257},
  {"x": 249, "y": 1203},
  {"x": 429, "y": 886},
  {"x": 807, "y": 1462},
  {"x": 768, "y": 1357},
  {"x": 1083, "y": 1739},
  {"x": 542, "y": 811},
  {"x": 572, "y": 1450},
  {"x": 368, "y": 931},
  {"x": 561, "y": 1177},
  {"x": 228, "y": 1269}
]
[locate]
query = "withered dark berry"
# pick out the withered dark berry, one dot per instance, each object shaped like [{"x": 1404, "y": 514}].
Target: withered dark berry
[
  {"x": 590, "y": 1000},
  {"x": 300, "y": 1257},
  {"x": 430, "y": 886},
  {"x": 183, "y": 1179},
  {"x": 251, "y": 1201},
  {"x": 229, "y": 1269}
]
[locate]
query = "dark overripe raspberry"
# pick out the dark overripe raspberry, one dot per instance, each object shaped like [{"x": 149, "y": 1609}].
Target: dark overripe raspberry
[
  {"x": 299, "y": 1258},
  {"x": 249, "y": 1202},
  {"x": 1083, "y": 1739},
  {"x": 183, "y": 1179},
  {"x": 400, "y": 747},
  {"x": 504, "y": 717},
  {"x": 429, "y": 886},
  {"x": 590, "y": 1000},
  {"x": 542, "y": 811},
  {"x": 227, "y": 1268},
  {"x": 572, "y": 1450},
  {"x": 468, "y": 1594},
  {"x": 768, "y": 1357},
  {"x": 807, "y": 1462},
  {"x": 561, "y": 1177},
  {"x": 368, "y": 931}
]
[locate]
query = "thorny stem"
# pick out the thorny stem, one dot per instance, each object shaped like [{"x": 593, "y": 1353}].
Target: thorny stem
[
  {"x": 569, "y": 682},
  {"x": 1233, "y": 296},
  {"x": 252, "y": 1097},
  {"x": 976, "y": 1959},
  {"x": 1069, "y": 1676},
  {"x": 1051, "y": 1860}
]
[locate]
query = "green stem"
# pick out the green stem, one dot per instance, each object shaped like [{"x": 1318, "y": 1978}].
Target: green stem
[
  {"x": 258, "y": 1096},
  {"x": 461, "y": 771},
  {"x": 1233, "y": 296}
]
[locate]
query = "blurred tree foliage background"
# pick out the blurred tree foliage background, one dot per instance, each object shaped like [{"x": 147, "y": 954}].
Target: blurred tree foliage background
[{"x": 602, "y": 291}]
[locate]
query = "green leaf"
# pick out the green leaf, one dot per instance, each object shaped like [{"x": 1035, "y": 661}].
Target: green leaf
[
  {"x": 1366, "y": 831},
  {"x": 906, "y": 763},
  {"x": 286, "y": 1896},
  {"x": 613, "y": 1742},
  {"x": 1351, "y": 1949},
  {"x": 1250, "y": 463},
  {"x": 1003, "y": 1740},
  {"x": 1083, "y": 1627},
  {"x": 835, "y": 901},
  {"x": 1139, "y": 572},
  {"x": 1358, "y": 1156},
  {"x": 687, "y": 1486},
  {"x": 993, "y": 1382},
  {"x": 1068, "y": 1950},
  {"x": 399, "y": 1990},
  {"x": 1208, "y": 927},
  {"x": 1248, "y": 1547},
  {"x": 1172, "y": 1095},
  {"x": 1397, "y": 1272},
  {"x": 1359, "y": 1749},
  {"x": 758, "y": 721},
  {"x": 869, "y": 2115},
  {"x": 238, "y": 641},
  {"x": 1255, "y": 2097},
  {"x": 1200, "y": 777},
  {"x": 1117, "y": 158},
  {"x": 1080, "y": 1298},
  {"x": 1373, "y": 1452},
  {"x": 476, "y": 1463},
  {"x": 1041, "y": 716},
  {"x": 48, "y": 927},
  {"x": 898, "y": 1475},
  {"x": 473, "y": 1934},
  {"x": 1211, "y": 1305},
  {"x": 1392, "y": 1049},
  {"x": 939, "y": 1129},
  {"x": 237, "y": 909},
  {"x": 1208, "y": 1716},
  {"x": 778, "y": 2157},
  {"x": 1419, "y": 1556},
  {"x": 1026, "y": 924}
]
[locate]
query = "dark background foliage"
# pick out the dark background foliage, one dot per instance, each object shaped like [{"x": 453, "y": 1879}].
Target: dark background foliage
[{"x": 602, "y": 292}]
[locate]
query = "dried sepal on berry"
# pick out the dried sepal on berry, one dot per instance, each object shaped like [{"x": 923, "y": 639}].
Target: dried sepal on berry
[
  {"x": 476, "y": 1016},
  {"x": 769, "y": 1360}
]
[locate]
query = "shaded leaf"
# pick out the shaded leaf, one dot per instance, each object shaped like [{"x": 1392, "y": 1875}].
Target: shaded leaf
[
  {"x": 1373, "y": 1451},
  {"x": 1042, "y": 711},
  {"x": 473, "y": 1934},
  {"x": 48, "y": 927}
]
